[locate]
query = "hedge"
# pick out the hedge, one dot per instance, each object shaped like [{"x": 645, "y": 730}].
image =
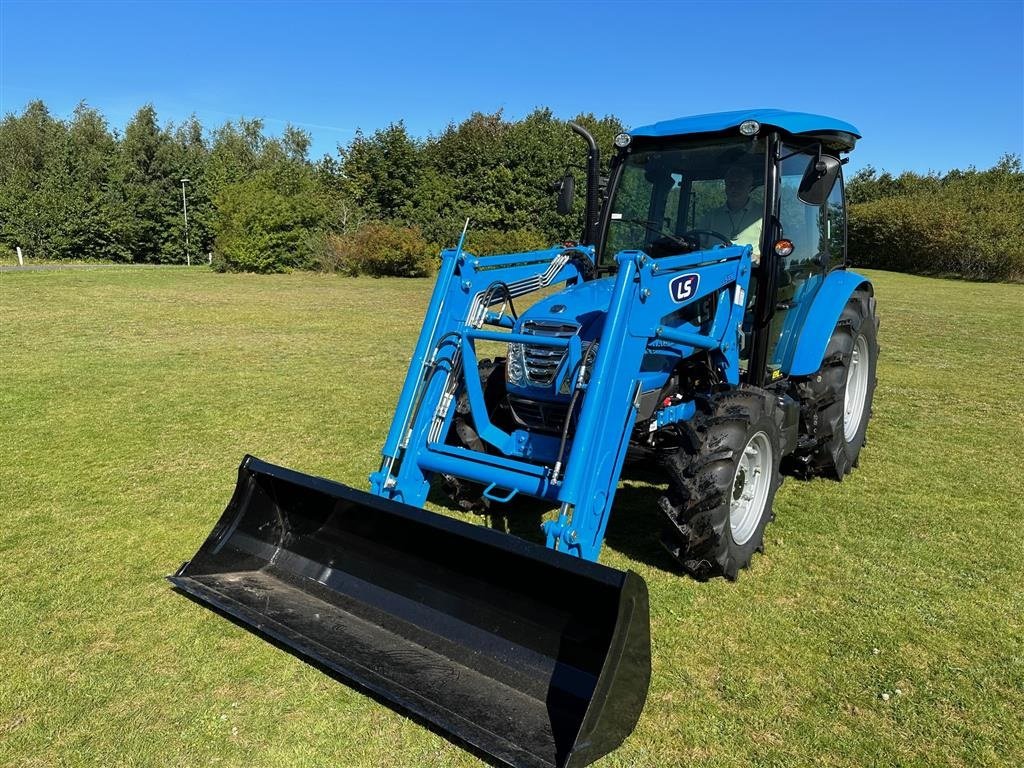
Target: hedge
[
  {"x": 378, "y": 249},
  {"x": 965, "y": 223}
]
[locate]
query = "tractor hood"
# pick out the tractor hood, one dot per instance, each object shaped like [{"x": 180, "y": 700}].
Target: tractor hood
[
  {"x": 583, "y": 304},
  {"x": 578, "y": 309}
]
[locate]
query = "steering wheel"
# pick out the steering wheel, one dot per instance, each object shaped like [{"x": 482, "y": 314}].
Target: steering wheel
[{"x": 710, "y": 232}]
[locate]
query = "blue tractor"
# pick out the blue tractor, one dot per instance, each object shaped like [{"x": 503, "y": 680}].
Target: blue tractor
[{"x": 704, "y": 332}]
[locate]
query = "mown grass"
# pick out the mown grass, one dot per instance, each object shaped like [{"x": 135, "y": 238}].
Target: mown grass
[{"x": 128, "y": 397}]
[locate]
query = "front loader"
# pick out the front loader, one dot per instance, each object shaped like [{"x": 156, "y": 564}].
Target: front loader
[{"x": 704, "y": 331}]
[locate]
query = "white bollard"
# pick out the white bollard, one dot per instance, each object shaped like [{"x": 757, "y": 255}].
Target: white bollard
[{"x": 21, "y": 260}]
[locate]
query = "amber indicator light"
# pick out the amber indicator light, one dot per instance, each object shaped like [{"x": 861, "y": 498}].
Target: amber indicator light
[{"x": 783, "y": 247}]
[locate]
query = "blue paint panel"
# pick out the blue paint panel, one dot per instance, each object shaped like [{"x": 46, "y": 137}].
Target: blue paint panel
[
  {"x": 821, "y": 319},
  {"x": 793, "y": 122},
  {"x": 634, "y": 307}
]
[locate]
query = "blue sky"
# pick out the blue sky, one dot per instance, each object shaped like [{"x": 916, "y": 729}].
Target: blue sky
[{"x": 932, "y": 85}]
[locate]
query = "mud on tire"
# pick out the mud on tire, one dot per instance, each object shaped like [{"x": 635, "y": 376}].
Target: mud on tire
[
  {"x": 825, "y": 449},
  {"x": 708, "y": 472}
]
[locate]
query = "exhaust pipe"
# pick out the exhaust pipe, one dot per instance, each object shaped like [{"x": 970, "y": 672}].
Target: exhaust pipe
[{"x": 593, "y": 184}]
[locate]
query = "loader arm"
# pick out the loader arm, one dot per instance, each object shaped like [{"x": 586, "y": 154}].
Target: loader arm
[
  {"x": 466, "y": 288},
  {"x": 647, "y": 293}
]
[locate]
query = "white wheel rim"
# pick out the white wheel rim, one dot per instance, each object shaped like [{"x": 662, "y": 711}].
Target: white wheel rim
[
  {"x": 750, "y": 487},
  {"x": 856, "y": 388}
]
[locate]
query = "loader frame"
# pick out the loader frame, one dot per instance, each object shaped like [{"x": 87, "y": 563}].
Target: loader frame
[{"x": 444, "y": 364}]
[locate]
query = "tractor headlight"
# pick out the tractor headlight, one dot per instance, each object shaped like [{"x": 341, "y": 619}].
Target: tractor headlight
[
  {"x": 623, "y": 140},
  {"x": 515, "y": 366}
]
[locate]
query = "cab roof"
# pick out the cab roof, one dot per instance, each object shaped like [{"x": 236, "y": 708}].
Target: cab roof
[{"x": 799, "y": 123}]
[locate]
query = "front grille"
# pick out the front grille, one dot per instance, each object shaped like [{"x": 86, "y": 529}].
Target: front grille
[
  {"x": 542, "y": 363},
  {"x": 541, "y": 416}
]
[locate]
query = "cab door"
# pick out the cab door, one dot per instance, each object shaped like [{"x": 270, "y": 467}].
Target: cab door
[{"x": 818, "y": 235}]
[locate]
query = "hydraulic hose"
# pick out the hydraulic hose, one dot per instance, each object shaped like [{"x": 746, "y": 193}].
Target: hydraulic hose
[{"x": 556, "y": 470}]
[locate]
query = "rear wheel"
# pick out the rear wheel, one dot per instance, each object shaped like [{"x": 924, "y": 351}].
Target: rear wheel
[
  {"x": 722, "y": 481},
  {"x": 835, "y": 402}
]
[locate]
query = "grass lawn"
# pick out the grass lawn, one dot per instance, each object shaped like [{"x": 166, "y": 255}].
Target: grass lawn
[{"x": 884, "y": 625}]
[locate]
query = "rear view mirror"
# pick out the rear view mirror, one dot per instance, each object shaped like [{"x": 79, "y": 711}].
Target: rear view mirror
[
  {"x": 566, "y": 193},
  {"x": 818, "y": 180}
]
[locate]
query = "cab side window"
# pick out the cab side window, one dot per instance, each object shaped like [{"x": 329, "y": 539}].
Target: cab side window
[
  {"x": 836, "y": 226},
  {"x": 805, "y": 225}
]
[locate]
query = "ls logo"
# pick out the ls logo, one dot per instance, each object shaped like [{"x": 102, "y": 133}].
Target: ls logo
[{"x": 683, "y": 287}]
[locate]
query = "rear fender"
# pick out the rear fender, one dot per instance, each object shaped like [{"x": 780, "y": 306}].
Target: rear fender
[{"x": 821, "y": 319}]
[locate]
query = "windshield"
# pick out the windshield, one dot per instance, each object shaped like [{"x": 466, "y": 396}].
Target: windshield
[{"x": 678, "y": 199}]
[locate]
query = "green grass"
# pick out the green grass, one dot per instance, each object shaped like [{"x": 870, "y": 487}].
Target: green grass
[{"x": 127, "y": 398}]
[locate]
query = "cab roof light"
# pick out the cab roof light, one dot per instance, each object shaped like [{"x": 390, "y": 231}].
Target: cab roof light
[{"x": 750, "y": 127}]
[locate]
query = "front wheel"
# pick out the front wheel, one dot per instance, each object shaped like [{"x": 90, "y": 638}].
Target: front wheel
[
  {"x": 722, "y": 481},
  {"x": 464, "y": 494}
]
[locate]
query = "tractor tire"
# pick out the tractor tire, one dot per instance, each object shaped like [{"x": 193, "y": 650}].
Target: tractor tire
[
  {"x": 464, "y": 494},
  {"x": 492, "y": 381},
  {"x": 835, "y": 401},
  {"x": 722, "y": 481}
]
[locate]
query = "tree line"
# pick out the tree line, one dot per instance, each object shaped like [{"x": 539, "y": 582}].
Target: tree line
[
  {"x": 73, "y": 189},
  {"x": 386, "y": 202},
  {"x": 966, "y": 223}
]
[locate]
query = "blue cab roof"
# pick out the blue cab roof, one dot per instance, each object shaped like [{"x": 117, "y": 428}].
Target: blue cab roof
[{"x": 792, "y": 122}]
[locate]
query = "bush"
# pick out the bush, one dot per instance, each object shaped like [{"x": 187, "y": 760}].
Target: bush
[
  {"x": 965, "y": 223},
  {"x": 327, "y": 251},
  {"x": 378, "y": 249},
  {"x": 980, "y": 237},
  {"x": 264, "y": 228},
  {"x": 488, "y": 242}
]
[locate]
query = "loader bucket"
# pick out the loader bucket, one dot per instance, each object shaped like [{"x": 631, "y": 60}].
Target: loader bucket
[{"x": 533, "y": 657}]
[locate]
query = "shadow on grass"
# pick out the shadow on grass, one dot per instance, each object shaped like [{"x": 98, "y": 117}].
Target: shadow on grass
[
  {"x": 633, "y": 528},
  {"x": 522, "y": 516},
  {"x": 337, "y": 676}
]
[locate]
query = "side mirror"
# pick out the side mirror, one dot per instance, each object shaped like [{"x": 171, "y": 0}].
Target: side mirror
[
  {"x": 818, "y": 180},
  {"x": 566, "y": 193}
]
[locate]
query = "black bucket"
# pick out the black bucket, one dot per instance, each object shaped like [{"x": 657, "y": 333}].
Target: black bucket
[{"x": 534, "y": 657}]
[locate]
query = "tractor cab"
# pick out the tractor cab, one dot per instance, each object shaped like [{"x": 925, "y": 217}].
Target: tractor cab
[{"x": 766, "y": 178}]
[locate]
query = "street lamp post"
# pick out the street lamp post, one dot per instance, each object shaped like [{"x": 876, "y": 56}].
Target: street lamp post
[{"x": 184, "y": 210}]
